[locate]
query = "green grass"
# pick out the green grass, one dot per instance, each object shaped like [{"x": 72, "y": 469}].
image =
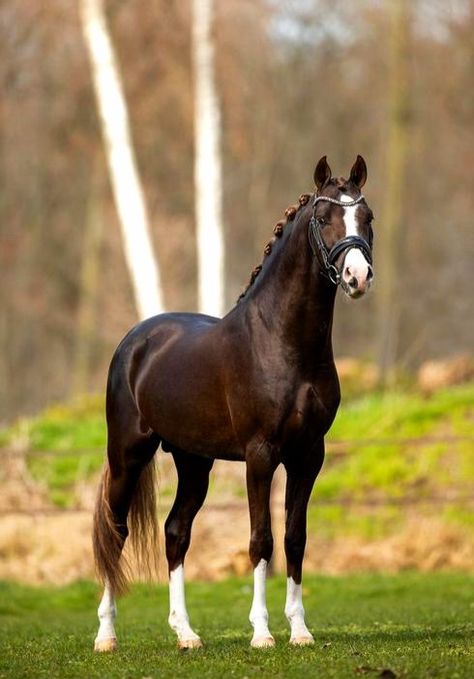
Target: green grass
[
  {"x": 394, "y": 467},
  {"x": 414, "y": 625},
  {"x": 393, "y": 470}
]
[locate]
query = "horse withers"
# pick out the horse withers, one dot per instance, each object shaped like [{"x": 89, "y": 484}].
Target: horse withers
[{"x": 258, "y": 386}]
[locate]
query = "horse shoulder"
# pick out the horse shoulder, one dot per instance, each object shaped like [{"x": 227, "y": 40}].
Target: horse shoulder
[{"x": 315, "y": 403}]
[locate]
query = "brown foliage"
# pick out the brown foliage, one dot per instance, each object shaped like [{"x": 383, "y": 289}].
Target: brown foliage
[{"x": 285, "y": 101}]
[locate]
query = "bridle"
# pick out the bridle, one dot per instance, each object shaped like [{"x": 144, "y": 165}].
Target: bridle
[{"x": 328, "y": 256}]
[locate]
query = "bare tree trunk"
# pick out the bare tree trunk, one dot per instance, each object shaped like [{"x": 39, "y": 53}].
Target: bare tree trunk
[
  {"x": 123, "y": 171},
  {"x": 89, "y": 286},
  {"x": 208, "y": 164},
  {"x": 388, "y": 236}
]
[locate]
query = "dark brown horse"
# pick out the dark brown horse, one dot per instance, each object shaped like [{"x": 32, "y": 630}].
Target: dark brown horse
[{"x": 258, "y": 386}]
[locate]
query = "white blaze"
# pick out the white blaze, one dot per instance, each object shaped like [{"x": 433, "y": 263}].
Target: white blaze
[{"x": 354, "y": 260}]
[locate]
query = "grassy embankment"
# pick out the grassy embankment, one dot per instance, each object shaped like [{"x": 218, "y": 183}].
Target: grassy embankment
[
  {"x": 388, "y": 470},
  {"x": 370, "y": 626}
]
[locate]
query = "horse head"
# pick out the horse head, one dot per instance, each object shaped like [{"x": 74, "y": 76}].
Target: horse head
[{"x": 341, "y": 228}]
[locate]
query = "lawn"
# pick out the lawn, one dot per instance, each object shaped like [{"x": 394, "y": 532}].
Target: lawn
[{"x": 409, "y": 625}]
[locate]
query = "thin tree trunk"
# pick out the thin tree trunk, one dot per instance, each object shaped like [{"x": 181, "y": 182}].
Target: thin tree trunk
[
  {"x": 208, "y": 164},
  {"x": 123, "y": 171},
  {"x": 388, "y": 236},
  {"x": 89, "y": 286}
]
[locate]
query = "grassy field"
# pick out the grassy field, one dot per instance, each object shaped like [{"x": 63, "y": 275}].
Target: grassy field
[
  {"x": 394, "y": 470},
  {"x": 411, "y": 625}
]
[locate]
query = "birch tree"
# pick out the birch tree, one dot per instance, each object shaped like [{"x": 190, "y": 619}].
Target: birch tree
[
  {"x": 207, "y": 164},
  {"x": 126, "y": 186},
  {"x": 397, "y": 151}
]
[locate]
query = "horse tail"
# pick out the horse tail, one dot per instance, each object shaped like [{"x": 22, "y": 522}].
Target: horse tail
[
  {"x": 144, "y": 531},
  {"x": 110, "y": 530}
]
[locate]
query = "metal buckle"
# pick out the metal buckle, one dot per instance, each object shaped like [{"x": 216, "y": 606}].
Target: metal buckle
[{"x": 333, "y": 274}]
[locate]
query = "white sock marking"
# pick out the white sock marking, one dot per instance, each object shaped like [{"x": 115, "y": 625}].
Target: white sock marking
[
  {"x": 258, "y": 612},
  {"x": 178, "y": 618},
  {"x": 107, "y": 612},
  {"x": 294, "y": 611}
]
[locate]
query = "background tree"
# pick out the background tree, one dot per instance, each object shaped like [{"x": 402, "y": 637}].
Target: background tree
[
  {"x": 390, "y": 234},
  {"x": 295, "y": 81},
  {"x": 207, "y": 163},
  {"x": 124, "y": 177}
]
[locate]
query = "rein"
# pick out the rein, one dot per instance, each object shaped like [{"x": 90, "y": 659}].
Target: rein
[{"x": 328, "y": 256}]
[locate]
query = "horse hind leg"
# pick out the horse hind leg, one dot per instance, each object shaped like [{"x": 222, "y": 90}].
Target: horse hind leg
[
  {"x": 193, "y": 482},
  {"x": 126, "y": 498}
]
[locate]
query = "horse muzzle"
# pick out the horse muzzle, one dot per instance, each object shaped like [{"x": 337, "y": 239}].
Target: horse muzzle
[{"x": 357, "y": 274}]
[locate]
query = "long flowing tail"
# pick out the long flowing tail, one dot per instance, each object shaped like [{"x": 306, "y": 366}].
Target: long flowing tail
[{"x": 109, "y": 533}]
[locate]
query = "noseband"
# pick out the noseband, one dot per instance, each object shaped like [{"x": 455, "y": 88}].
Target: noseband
[{"x": 328, "y": 256}]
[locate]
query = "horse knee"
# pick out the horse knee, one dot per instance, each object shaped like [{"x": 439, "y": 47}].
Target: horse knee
[{"x": 261, "y": 547}]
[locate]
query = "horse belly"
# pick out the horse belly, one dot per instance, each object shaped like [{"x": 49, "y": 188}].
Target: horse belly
[{"x": 185, "y": 405}]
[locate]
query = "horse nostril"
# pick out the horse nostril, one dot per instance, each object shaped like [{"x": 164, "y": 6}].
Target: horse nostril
[
  {"x": 353, "y": 282},
  {"x": 370, "y": 274}
]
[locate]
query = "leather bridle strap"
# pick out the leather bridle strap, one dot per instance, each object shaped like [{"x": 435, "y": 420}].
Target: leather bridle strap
[{"x": 328, "y": 256}]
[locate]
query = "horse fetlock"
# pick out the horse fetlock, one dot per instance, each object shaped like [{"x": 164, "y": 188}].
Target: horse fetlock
[
  {"x": 178, "y": 621},
  {"x": 187, "y": 638},
  {"x": 294, "y": 611},
  {"x": 261, "y": 634},
  {"x": 106, "y": 612},
  {"x": 258, "y": 616},
  {"x": 300, "y": 635}
]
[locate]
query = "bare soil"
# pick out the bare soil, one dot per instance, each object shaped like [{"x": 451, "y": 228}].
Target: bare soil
[{"x": 39, "y": 544}]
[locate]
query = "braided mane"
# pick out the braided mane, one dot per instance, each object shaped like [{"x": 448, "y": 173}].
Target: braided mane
[{"x": 290, "y": 214}]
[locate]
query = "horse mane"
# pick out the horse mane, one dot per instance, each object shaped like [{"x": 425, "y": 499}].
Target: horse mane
[{"x": 290, "y": 214}]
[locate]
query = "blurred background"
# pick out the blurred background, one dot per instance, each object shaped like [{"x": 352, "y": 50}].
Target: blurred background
[{"x": 294, "y": 80}]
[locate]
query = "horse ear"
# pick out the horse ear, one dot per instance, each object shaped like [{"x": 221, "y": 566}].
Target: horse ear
[
  {"x": 322, "y": 173},
  {"x": 359, "y": 172}
]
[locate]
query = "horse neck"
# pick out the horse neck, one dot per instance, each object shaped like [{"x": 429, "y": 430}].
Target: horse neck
[{"x": 290, "y": 300}]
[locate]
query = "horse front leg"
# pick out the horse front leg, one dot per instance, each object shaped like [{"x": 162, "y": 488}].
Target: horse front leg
[
  {"x": 260, "y": 470},
  {"x": 301, "y": 475}
]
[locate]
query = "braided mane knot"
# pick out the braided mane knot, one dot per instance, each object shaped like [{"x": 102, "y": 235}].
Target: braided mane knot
[{"x": 290, "y": 214}]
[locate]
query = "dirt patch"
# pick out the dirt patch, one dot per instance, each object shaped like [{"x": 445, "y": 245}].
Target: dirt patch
[
  {"x": 57, "y": 548},
  {"x": 39, "y": 545}
]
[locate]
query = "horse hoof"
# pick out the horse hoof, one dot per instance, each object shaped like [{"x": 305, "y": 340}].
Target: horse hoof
[
  {"x": 185, "y": 644},
  {"x": 105, "y": 645},
  {"x": 302, "y": 641},
  {"x": 263, "y": 642}
]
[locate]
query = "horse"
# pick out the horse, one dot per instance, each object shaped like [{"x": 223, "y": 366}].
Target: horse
[{"x": 258, "y": 386}]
